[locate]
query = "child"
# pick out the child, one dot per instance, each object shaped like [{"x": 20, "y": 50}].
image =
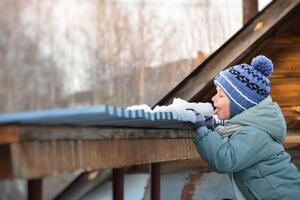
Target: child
[{"x": 248, "y": 147}]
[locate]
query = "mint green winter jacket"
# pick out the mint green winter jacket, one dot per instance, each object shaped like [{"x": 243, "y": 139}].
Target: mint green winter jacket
[{"x": 254, "y": 154}]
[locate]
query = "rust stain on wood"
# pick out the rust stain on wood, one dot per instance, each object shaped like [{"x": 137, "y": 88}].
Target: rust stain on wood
[{"x": 190, "y": 186}]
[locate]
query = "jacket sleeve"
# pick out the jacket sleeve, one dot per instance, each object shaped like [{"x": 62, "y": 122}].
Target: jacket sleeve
[{"x": 241, "y": 150}]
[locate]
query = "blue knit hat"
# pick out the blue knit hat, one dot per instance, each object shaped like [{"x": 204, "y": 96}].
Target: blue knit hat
[{"x": 246, "y": 85}]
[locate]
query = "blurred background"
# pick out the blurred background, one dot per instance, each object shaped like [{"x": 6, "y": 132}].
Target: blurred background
[{"x": 66, "y": 53}]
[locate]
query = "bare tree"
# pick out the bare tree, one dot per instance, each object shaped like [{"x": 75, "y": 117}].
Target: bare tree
[
  {"x": 108, "y": 50},
  {"x": 25, "y": 76}
]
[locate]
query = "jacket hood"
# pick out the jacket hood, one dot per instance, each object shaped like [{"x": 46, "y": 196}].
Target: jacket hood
[{"x": 266, "y": 116}]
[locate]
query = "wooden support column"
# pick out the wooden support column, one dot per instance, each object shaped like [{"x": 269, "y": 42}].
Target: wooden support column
[
  {"x": 250, "y": 8},
  {"x": 155, "y": 181},
  {"x": 34, "y": 189},
  {"x": 118, "y": 184}
]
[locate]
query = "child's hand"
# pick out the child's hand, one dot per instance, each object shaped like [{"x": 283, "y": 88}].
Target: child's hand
[
  {"x": 200, "y": 119},
  {"x": 209, "y": 121}
]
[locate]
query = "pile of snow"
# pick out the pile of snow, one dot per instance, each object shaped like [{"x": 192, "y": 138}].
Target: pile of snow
[{"x": 180, "y": 109}]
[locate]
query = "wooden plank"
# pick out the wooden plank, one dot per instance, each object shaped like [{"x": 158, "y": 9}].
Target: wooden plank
[
  {"x": 292, "y": 117},
  {"x": 37, "y": 159},
  {"x": 293, "y": 124},
  {"x": 56, "y": 133},
  {"x": 250, "y": 38},
  {"x": 292, "y": 140},
  {"x": 290, "y": 112},
  {"x": 286, "y": 61},
  {"x": 46, "y": 133},
  {"x": 286, "y": 91},
  {"x": 9, "y": 134},
  {"x": 285, "y": 40}
]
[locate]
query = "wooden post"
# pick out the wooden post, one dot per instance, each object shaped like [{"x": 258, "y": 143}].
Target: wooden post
[
  {"x": 155, "y": 181},
  {"x": 250, "y": 8},
  {"x": 34, "y": 189},
  {"x": 118, "y": 184}
]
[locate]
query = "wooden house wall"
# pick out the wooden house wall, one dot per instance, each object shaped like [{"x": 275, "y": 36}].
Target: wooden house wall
[{"x": 284, "y": 50}]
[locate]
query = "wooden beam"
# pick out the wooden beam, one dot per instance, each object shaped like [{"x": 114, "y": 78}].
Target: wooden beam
[
  {"x": 292, "y": 140},
  {"x": 285, "y": 40},
  {"x": 286, "y": 92},
  {"x": 23, "y": 133},
  {"x": 155, "y": 181},
  {"x": 250, "y": 38},
  {"x": 31, "y": 159},
  {"x": 290, "y": 111},
  {"x": 34, "y": 189},
  {"x": 9, "y": 134},
  {"x": 118, "y": 184},
  {"x": 250, "y": 9},
  {"x": 286, "y": 61}
]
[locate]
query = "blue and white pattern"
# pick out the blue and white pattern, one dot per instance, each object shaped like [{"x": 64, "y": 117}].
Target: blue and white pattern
[{"x": 246, "y": 85}]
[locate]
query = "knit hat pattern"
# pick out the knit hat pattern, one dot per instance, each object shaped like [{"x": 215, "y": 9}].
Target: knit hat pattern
[{"x": 246, "y": 85}]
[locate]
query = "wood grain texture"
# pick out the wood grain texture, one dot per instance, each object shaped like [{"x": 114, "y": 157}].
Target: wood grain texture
[
  {"x": 9, "y": 134},
  {"x": 37, "y": 159},
  {"x": 50, "y": 133},
  {"x": 286, "y": 92},
  {"x": 286, "y": 60}
]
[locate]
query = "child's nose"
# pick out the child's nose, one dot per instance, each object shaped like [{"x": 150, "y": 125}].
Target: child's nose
[{"x": 213, "y": 98}]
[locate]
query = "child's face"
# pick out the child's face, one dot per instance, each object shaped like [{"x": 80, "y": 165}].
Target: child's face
[{"x": 221, "y": 104}]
